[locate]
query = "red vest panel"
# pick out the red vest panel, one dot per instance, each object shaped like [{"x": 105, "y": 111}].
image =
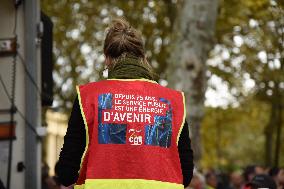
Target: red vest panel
[{"x": 133, "y": 126}]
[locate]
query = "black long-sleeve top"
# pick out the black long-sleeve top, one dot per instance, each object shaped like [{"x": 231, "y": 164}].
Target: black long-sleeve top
[{"x": 75, "y": 142}]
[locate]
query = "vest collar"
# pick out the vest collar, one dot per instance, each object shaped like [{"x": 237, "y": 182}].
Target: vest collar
[{"x": 142, "y": 79}]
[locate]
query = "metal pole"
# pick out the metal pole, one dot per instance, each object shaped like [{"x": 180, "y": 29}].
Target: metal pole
[
  {"x": 33, "y": 114},
  {"x": 12, "y": 112}
]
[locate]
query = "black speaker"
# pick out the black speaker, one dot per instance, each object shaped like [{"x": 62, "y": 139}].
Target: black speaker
[{"x": 46, "y": 61}]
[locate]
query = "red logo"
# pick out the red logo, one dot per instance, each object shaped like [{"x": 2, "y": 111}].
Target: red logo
[{"x": 135, "y": 137}]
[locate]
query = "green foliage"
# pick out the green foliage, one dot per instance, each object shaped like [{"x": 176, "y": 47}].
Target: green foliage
[
  {"x": 251, "y": 32},
  {"x": 233, "y": 137},
  {"x": 249, "y": 57}
]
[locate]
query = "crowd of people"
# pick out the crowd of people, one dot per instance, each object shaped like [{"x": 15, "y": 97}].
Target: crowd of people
[{"x": 250, "y": 177}]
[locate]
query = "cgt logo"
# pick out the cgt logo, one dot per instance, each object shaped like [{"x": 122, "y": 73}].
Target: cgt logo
[{"x": 135, "y": 137}]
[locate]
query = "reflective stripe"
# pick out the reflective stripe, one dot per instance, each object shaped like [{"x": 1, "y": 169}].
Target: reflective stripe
[
  {"x": 127, "y": 184},
  {"x": 79, "y": 186},
  {"x": 86, "y": 126},
  {"x": 184, "y": 115}
]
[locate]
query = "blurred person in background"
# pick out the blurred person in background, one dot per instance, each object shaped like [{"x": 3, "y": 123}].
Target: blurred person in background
[
  {"x": 211, "y": 180},
  {"x": 47, "y": 182},
  {"x": 197, "y": 181},
  {"x": 281, "y": 177},
  {"x": 277, "y": 174},
  {"x": 99, "y": 154},
  {"x": 223, "y": 180},
  {"x": 236, "y": 180},
  {"x": 261, "y": 181},
  {"x": 55, "y": 177},
  {"x": 251, "y": 170}
]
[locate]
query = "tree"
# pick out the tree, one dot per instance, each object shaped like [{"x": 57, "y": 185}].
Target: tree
[
  {"x": 250, "y": 34},
  {"x": 233, "y": 136},
  {"x": 194, "y": 28}
]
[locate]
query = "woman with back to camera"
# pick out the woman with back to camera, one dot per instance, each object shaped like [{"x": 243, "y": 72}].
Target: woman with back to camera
[{"x": 127, "y": 131}]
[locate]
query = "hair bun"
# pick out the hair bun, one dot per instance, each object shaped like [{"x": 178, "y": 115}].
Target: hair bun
[
  {"x": 122, "y": 38},
  {"x": 120, "y": 25}
]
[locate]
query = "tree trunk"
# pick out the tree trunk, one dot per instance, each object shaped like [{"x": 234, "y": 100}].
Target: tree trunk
[
  {"x": 280, "y": 95},
  {"x": 278, "y": 126},
  {"x": 278, "y": 136},
  {"x": 194, "y": 30},
  {"x": 218, "y": 137},
  {"x": 268, "y": 133}
]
